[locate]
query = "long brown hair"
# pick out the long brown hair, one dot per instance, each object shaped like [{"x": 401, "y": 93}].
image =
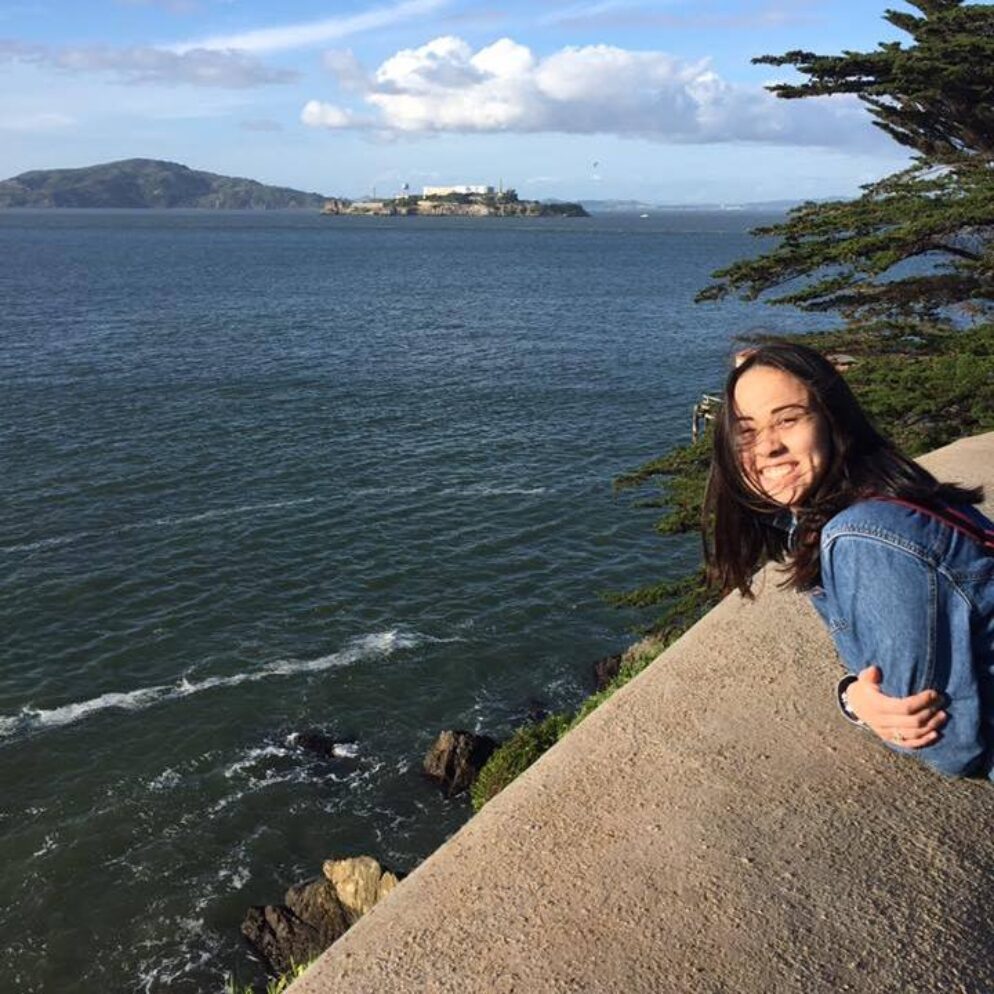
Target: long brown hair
[{"x": 742, "y": 529}]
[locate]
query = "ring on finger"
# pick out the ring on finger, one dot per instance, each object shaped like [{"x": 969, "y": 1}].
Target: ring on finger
[{"x": 898, "y": 736}]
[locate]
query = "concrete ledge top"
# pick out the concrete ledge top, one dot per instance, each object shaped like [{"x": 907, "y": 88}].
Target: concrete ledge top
[{"x": 714, "y": 828}]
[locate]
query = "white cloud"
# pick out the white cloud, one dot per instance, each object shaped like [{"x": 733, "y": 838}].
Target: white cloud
[
  {"x": 634, "y": 14},
  {"x": 320, "y": 115},
  {"x": 313, "y": 33},
  {"x": 444, "y": 86},
  {"x": 346, "y": 68},
  {"x": 137, "y": 64},
  {"x": 583, "y": 11},
  {"x": 36, "y": 123}
]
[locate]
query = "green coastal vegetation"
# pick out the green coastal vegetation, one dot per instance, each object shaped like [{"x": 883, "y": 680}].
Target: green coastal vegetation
[
  {"x": 908, "y": 267},
  {"x": 148, "y": 183},
  {"x": 276, "y": 985}
]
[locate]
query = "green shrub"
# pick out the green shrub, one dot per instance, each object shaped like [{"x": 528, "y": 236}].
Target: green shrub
[
  {"x": 530, "y": 741},
  {"x": 515, "y": 756},
  {"x": 275, "y": 986}
]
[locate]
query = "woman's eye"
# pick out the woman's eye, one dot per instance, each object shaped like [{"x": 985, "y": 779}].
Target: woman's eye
[{"x": 787, "y": 422}]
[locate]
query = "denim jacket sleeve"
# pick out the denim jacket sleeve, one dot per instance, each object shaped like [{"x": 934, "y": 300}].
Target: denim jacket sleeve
[{"x": 888, "y": 603}]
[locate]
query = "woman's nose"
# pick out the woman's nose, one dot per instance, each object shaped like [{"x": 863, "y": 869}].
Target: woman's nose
[{"x": 771, "y": 443}]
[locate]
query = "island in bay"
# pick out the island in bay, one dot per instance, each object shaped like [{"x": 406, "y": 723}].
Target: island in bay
[
  {"x": 449, "y": 201},
  {"x": 153, "y": 183}
]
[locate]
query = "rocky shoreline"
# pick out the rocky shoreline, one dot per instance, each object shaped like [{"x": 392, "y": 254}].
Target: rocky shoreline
[{"x": 316, "y": 912}]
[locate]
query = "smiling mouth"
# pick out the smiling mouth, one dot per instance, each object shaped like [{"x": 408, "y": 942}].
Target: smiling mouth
[{"x": 774, "y": 474}]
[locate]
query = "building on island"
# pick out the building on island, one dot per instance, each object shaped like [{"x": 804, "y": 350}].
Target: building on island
[{"x": 445, "y": 191}]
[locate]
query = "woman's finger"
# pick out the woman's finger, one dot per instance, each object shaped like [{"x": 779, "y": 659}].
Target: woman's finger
[
  {"x": 924, "y": 721},
  {"x": 868, "y": 700},
  {"x": 919, "y": 741},
  {"x": 927, "y": 700}
]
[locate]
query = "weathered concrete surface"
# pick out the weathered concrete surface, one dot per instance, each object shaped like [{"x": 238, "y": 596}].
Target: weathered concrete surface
[{"x": 715, "y": 828}]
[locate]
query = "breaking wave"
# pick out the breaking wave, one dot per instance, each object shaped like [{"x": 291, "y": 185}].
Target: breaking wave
[{"x": 373, "y": 645}]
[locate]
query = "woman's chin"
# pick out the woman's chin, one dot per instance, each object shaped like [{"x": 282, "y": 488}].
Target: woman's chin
[{"x": 786, "y": 494}]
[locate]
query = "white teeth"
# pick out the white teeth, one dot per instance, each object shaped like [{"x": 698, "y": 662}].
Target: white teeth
[{"x": 776, "y": 472}]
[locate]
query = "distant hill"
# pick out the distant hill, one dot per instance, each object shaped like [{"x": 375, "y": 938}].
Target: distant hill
[{"x": 147, "y": 183}]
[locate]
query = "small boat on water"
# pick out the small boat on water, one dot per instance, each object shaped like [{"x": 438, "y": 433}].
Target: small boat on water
[{"x": 643, "y": 215}]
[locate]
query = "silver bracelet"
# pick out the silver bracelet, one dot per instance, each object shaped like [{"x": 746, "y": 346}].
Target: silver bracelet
[{"x": 843, "y": 697}]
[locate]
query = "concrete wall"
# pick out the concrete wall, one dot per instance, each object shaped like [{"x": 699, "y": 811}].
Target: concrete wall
[{"x": 714, "y": 828}]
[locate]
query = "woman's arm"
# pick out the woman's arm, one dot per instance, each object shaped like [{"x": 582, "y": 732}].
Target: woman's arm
[
  {"x": 891, "y": 608},
  {"x": 912, "y": 722}
]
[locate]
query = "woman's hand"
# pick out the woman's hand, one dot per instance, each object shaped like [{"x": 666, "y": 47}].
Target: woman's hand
[{"x": 909, "y": 722}]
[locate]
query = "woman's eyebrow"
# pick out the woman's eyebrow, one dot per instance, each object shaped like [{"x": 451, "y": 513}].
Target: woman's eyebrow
[{"x": 776, "y": 410}]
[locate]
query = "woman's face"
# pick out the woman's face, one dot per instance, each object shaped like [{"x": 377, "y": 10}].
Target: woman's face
[{"x": 782, "y": 443}]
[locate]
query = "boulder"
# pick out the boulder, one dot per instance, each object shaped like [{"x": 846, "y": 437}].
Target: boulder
[
  {"x": 456, "y": 758},
  {"x": 314, "y": 741},
  {"x": 315, "y": 902},
  {"x": 358, "y": 883},
  {"x": 606, "y": 669},
  {"x": 537, "y": 711},
  {"x": 280, "y": 937},
  {"x": 316, "y": 912}
]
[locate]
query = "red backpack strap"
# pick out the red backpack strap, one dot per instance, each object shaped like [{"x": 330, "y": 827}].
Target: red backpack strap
[{"x": 954, "y": 517}]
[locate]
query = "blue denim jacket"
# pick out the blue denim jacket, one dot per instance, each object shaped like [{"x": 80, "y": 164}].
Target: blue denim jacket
[{"x": 906, "y": 592}]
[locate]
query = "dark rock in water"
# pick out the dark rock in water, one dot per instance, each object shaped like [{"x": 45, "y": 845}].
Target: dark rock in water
[
  {"x": 316, "y": 912},
  {"x": 280, "y": 937},
  {"x": 605, "y": 670},
  {"x": 316, "y": 742},
  {"x": 456, "y": 758},
  {"x": 537, "y": 711},
  {"x": 316, "y": 903}
]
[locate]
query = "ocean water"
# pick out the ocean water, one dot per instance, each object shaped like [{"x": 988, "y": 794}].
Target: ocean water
[{"x": 268, "y": 473}]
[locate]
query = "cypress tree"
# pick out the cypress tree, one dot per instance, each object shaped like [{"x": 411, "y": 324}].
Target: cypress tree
[{"x": 935, "y": 96}]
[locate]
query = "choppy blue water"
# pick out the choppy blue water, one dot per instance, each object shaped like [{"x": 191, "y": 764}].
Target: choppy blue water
[{"x": 272, "y": 472}]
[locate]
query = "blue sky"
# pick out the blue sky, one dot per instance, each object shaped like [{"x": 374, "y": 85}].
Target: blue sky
[{"x": 573, "y": 99}]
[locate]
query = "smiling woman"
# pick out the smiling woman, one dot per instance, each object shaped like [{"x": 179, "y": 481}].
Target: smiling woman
[
  {"x": 898, "y": 565},
  {"x": 782, "y": 442}
]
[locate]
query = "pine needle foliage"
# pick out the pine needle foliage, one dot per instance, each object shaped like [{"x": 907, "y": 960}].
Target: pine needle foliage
[{"x": 917, "y": 245}]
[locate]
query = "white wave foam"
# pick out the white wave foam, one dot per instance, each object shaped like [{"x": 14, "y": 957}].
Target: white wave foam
[
  {"x": 466, "y": 490},
  {"x": 487, "y": 490},
  {"x": 220, "y": 512},
  {"x": 373, "y": 645},
  {"x": 472, "y": 490},
  {"x": 9, "y": 725},
  {"x": 69, "y": 713},
  {"x": 254, "y": 756},
  {"x": 166, "y": 780},
  {"x": 44, "y": 543},
  {"x": 234, "y": 877},
  {"x": 47, "y": 846}
]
